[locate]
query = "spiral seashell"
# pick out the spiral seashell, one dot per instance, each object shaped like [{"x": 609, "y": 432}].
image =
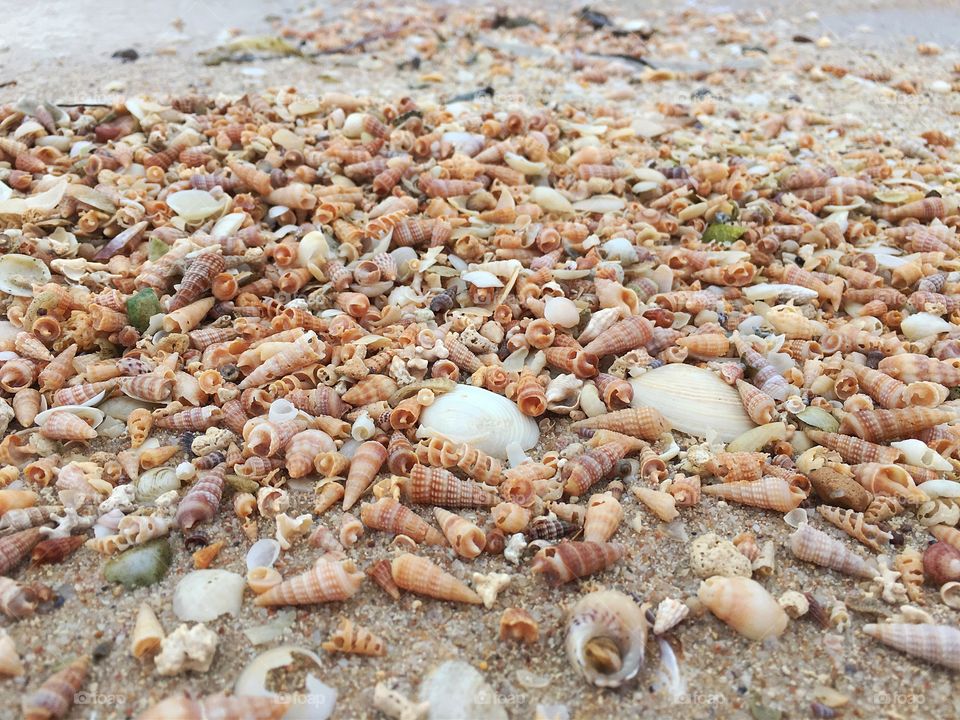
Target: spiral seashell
[
  {"x": 305, "y": 350},
  {"x": 203, "y": 499},
  {"x": 854, "y": 450},
  {"x": 364, "y": 466},
  {"x": 418, "y": 575},
  {"x": 586, "y": 470},
  {"x": 882, "y": 508},
  {"x": 770, "y": 493},
  {"x": 352, "y": 638},
  {"x": 139, "y": 424},
  {"x": 11, "y": 499},
  {"x": 554, "y": 529},
  {"x": 10, "y": 664},
  {"x": 744, "y": 605},
  {"x": 605, "y": 639},
  {"x": 510, "y": 517},
  {"x": 669, "y": 614},
  {"x": 909, "y": 564},
  {"x": 197, "y": 279},
  {"x": 55, "y": 375},
  {"x": 25, "y": 518},
  {"x": 662, "y": 504},
  {"x": 941, "y": 563},
  {"x": 602, "y": 519},
  {"x": 913, "y": 367},
  {"x": 436, "y": 486},
  {"x": 400, "y": 454},
  {"x": 351, "y": 530},
  {"x": 54, "y": 698},
  {"x": 55, "y": 550},
  {"x": 193, "y": 419},
  {"x": 567, "y": 561},
  {"x": 627, "y": 334},
  {"x": 247, "y": 707},
  {"x": 328, "y": 494},
  {"x": 380, "y": 572},
  {"x": 938, "y": 644},
  {"x": 759, "y": 406},
  {"x": 949, "y": 535},
  {"x": 327, "y": 581},
  {"x": 67, "y": 427},
  {"x": 517, "y": 624},
  {"x": 151, "y": 387},
  {"x": 16, "y": 600},
  {"x": 467, "y": 539},
  {"x": 15, "y": 548},
  {"x": 853, "y": 524},
  {"x": 389, "y": 515},
  {"x": 885, "y": 425},
  {"x": 814, "y": 546},
  {"x": 571, "y": 360},
  {"x": 370, "y": 389},
  {"x": 888, "y": 480},
  {"x": 26, "y": 406},
  {"x": 737, "y": 466}
]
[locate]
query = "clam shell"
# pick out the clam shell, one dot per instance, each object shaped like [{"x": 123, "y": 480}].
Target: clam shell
[
  {"x": 194, "y": 205},
  {"x": 154, "y": 483},
  {"x": 19, "y": 272},
  {"x": 478, "y": 417},
  {"x": 695, "y": 401},
  {"x": 204, "y": 595}
]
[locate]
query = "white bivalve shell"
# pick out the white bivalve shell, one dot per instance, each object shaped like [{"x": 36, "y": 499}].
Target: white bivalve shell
[
  {"x": 485, "y": 420},
  {"x": 695, "y": 401},
  {"x": 561, "y": 311},
  {"x": 18, "y": 274},
  {"x": 482, "y": 279},
  {"x": 194, "y": 205},
  {"x": 923, "y": 324},
  {"x": 204, "y": 595},
  {"x": 314, "y": 701}
]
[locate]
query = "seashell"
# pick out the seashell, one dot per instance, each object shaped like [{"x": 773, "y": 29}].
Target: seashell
[
  {"x": 567, "y": 561},
  {"x": 517, "y": 624},
  {"x": 691, "y": 400},
  {"x": 950, "y": 594},
  {"x": 853, "y": 524},
  {"x": 203, "y": 500},
  {"x": 364, "y": 466},
  {"x": 327, "y": 581},
  {"x": 54, "y": 698},
  {"x": 814, "y": 546},
  {"x": 603, "y": 517},
  {"x": 319, "y": 401},
  {"x": 627, "y": 334},
  {"x": 941, "y": 563},
  {"x": 380, "y": 572},
  {"x": 916, "y": 452},
  {"x": 328, "y": 494},
  {"x": 10, "y": 664},
  {"x": 436, "y": 486},
  {"x": 389, "y": 515},
  {"x": 669, "y": 614},
  {"x": 150, "y": 387},
  {"x": 153, "y": 483},
  {"x": 888, "y": 480},
  {"x": 353, "y": 638},
  {"x": 147, "y": 633},
  {"x": 19, "y": 273},
  {"x": 192, "y": 419},
  {"x": 140, "y": 565},
  {"x": 26, "y": 406},
  {"x": 589, "y": 468},
  {"x": 759, "y": 406},
  {"x": 662, "y": 504},
  {"x": 419, "y": 575},
  {"x": 302, "y": 448},
  {"x": 605, "y": 639},
  {"x": 884, "y": 425},
  {"x": 248, "y": 707},
  {"x": 646, "y": 423},
  {"x": 15, "y": 548},
  {"x": 737, "y": 466},
  {"x": 370, "y": 389},
  {"x": 262, "y": 579},
  {"x": 479, "y": 418},
  {"x": 949, "y": 535},
  {"x": 67, "y": 425},
  {"x": 288, "y": 528},
  {"x": 938, "y": 644},
  {"x": 909, "y": 564},
  {"x": 744, "y": 605},
  {"x": 820, "y": 419},
  {"x": 510, "y": 517},
  {"x": 770, "y": 493},
  {"x": 530, "y": 395},
  {"x": 197, "y": 279},
  {"x": 194, "y": 205},
  {"x": 16, "y": 600},
  {"x": 854, "y": 450},
  {"x": 467, "y": 539},
  {"x": 55, "y": 550}
]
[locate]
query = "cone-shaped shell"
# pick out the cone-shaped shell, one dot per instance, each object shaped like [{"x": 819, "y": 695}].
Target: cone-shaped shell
[
  {"x": 939, "y": 644},
  {"x": 55, "y": 697},
  {"x": 603, "y": 517},
  {"x": 567, "y": 561},
  {"x": 188, "y": 317},
  {"x": 61, "y": 369},
  {"x": 147, "y": 633},
  {"x": 589, "y": 468},
  {"x": 10, "y": 663},
  {"x": 401, "y": 456},
  {"x": 203, "y": 500},
  {"x": 853, "y": 449},
  {"x": 364, "y": 467},
  {"x": 15, "y": 548},
  {"x": 467, "y": 539},
  {"x": 691, "y": 400},
  {"x": 628, "y": 334},
  {"x": 353, "y": 638},
  {"x": 16, "y": 600},
  {"x": 815, "y": 546},
  {"x": 744, "y": 605},
  {"x": 370, "y": 389},
  {"x": 219, "y": 707},
  {"x": 606, "y": 637},
  {"x": 319, "y": 401},
  {"x": 65, "y": 426},
  {"x": 382, "y": 575},
  {"x": 436, "y": 486},
  {"x": 645, "y": 423},
  {"x": 306, "y": 350},
  {"x": 419, "y": 575},
  {"x": 325, "y": 582},
  {"x": 197, "y": 279},
  {"x": 770, "y": 493},
  {"x": 883, "y": 425},
  {"x": 389, "y": 515},
  {"x": 151, "y": 387},
  {"x": 26, "y": 405},
  {"x": 759, "y": 406},
  {"x": 303, "y": 448}
]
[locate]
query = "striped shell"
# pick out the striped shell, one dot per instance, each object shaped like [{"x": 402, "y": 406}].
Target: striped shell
[
  {"x": 203, "y": 500},
  {"x": 55, "y": 697},
  {"x": 418, "y": 575},
  {"x": 436, "y": 486},
  {"x": 770, "y": 493},
  {"x": 568, "y": 561},
  {"x": 15, "y": 548},
  {"x": 464, "y": 537},
  {"x": 606, "y": 636},
  {"x": 353, "y": 638},
  {"x": 364, "y": 466},
  {"x": 884, "y": 425},
  {"x": 815, "y": 546},
  {"x": 326, "y": 581},
  {"x": 389, "y": 515},
  {"x": 938, "y": 644},
  {"x": 586, "y": 470}
]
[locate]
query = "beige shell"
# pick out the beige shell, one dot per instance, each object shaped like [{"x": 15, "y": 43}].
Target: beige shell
[
  {"x": 661, "y": 504},
  {"x": 10, "y": 664},
  {"x": 606, "y": 636},
  {"x": 939, "y": 644},
  {"x": 351, "y": 637},
  {"x": 693, "y": 400},
  {"x": 467, "y": 539},
  {"x": 744, "y": 605},
  {"x": 815, "y": 546},
  {"x": 669, "y": 614},
  {"x": 853, "y": 524},
  {"x": 603, "y": 517},
  {"x": 419, "y": 575},
  {"x": 325, "y": 582},
  {"x": 147, "y": 633},
  {"x": 771, "y": 493}
]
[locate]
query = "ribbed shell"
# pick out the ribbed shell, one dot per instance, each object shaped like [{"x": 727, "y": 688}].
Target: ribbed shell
[
  {"x": 884, "y": 425},
  {"x": 353, "y": 638},
  {"x": 815, "y": 546},
  {"x": 467, "y": 539},
  {"x": 26, "y": 518},
  {"x": 364, "y": 466},
  {"x": 55, "y": 550},
  {"x": 759, "y": 406},
  {"x": 552, "y": 529},
  {"x": 418, "y": 575},
  {"x": 567, "y": 561},
  {"x": 370, "y": 389},
  {"x": 203, "y": 500},
  {"x": 15, "y": 548},
  {"x": 196, "y": 418},
  {"x": 436, "y": 486},
  {"x": 16, "y": 600},
  {"x": 589, "y": 468},
  {"x": 853, "y": 449},
  {"x": 854, "y": 525},
  {"x": 300, "y": 354},
  {"x": 627, "y": 334},
  {"x": 325, "y": 582},
  {"x": 603, "y": 517},
  {"x": 381, "y": 573},
  {"x": 606, "y": 616},
  {"x": 151, "y": 387},
  {"x": 319, "y": 401},
  {"x": 400, "y": 454},
  {"x": 770, "y": 493},
  {"x": 389, "y": 515},
  {"x": 939, "y": 644},
  {"x": 65, "y": 426},
  {"x": 303, "y": 448},
  {"x": 197, "y": 279},
  {"x": 55, "y": 697},
  {"x": 645, "y": 423}
]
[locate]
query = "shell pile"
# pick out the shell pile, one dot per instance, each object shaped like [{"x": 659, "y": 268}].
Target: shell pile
[{"x": 457, "y": 334}]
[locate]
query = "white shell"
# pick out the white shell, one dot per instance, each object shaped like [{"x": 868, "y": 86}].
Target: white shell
[
  {"x": 695, "y": 401},
  {"x": 90, "y": 415},
  {"x": 204, "y": 595},
  {"x": 923, "y": 324},
  {"x": 227, "y": 225},
  {"x": 482, "y": 279},
  {"x": 600, "y": 204},
  {"x": 194, "y": 205},
  {"x": 19, "y": 272},
  {"x": 263, "y": 553},
  {"x": 521, "y": 164},
  {"x": 154, "y": 483},
  {"x": 561, "y": 311},
  {"x": 941, "y": 488},
  {"x": 313, "y": 246},
  {"x": 620, "y": 249},
  {"x": 316, "y": 703},
  {"x": 773, "y": 291},
  {"x": 43, "y": 201},
  {"x": 282, "y": 410},
  {"x": 916, "y": 452},
  {"x": 550, "y": 200},
  {"x": 485, "y": 420}
]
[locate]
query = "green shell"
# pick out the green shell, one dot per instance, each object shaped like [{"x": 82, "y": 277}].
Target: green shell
[
  {"x": 141, "y": 565},
  {"x": 818, "y": 418},
  {"x": 156, "y": 249},
  {"x": 142, "y": 306},
  {"x": 723, "y": 233}
]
